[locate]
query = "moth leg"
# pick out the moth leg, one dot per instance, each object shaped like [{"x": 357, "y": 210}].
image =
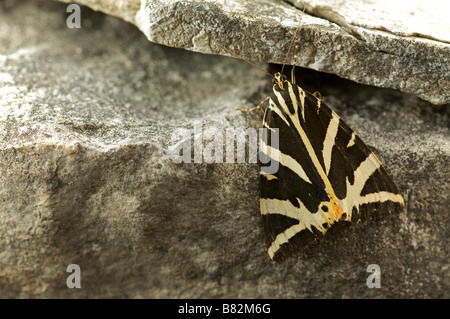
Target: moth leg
[
  {"x": 318, "y": 96},
  {"x": 257, "y": 107}
]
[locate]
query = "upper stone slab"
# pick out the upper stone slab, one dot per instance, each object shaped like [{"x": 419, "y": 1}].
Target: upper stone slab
[{"x": 404, "y": 45}]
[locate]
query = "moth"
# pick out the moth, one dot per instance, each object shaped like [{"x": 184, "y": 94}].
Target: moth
[{"x": 327, "y": 176}]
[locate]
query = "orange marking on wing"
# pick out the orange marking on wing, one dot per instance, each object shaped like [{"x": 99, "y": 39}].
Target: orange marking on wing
[{"x": 338, "y": 212}]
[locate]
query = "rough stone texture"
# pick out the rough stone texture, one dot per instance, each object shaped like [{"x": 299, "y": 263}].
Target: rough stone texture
[
  {"x": 402, "y": 18},
  {"x": 403, "y": 45},
  {"x": 86, "y": 117}
]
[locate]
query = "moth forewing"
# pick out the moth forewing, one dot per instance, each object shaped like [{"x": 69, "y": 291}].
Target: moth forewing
[{"x": 326, "y": 176}]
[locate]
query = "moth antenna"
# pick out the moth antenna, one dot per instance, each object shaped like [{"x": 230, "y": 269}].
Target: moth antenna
[
  {"x": 238, "y": 56},
  {"x": 296, "y": 49},
  {"x": 294, "y": 38}
]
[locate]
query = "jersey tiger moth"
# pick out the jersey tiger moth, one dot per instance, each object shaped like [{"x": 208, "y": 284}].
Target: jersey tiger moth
[{"x": 327, "y": 176}]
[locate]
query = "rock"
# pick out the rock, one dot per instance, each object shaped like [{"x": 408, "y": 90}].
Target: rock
[
  {"x": 401, "y": 46},
  {"x": 87, "y": 118}
]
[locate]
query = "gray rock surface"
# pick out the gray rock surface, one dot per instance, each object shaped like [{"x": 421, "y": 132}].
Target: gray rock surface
[
  {"x": 86, "y": 118},
  {"x": 404, "y": 45}
]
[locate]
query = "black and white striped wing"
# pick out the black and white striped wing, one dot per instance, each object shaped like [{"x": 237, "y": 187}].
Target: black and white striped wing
[{"x": 326, "y": 174}]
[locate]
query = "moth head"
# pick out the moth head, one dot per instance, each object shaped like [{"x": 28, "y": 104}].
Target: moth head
[{"x": 279, "y": 80}]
